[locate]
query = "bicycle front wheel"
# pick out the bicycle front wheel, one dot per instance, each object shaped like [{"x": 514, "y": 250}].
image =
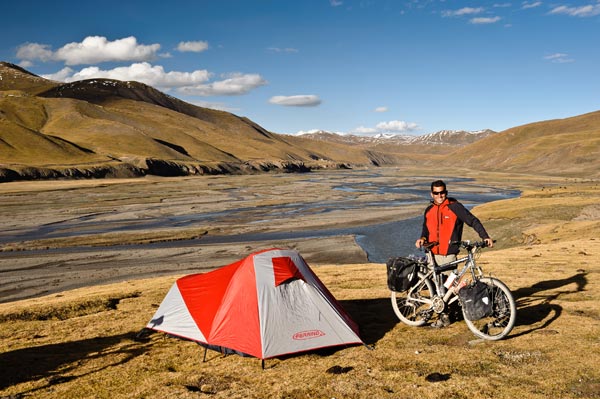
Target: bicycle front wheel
[
  {"x": 504, "y": 313},
  {"x": 414, "y": 307}
]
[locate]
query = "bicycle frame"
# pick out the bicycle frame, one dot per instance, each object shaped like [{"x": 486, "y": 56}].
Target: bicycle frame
[
  {"x": 434, "y": 272},
  {"x": 430, "y": 294}
]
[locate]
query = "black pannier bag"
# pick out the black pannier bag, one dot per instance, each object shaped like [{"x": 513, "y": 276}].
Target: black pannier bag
[
  {"x": 476, "y": 300},
  {"x": 401, "y": 273}
]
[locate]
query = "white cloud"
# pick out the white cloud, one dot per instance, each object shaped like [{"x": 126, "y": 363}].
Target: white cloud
[
  {"x": 217, "y": 106},
  {"x": 282, "y": 50},
  {"x": 309, "y": 100},
  {"x": 484, "y": 20},
  {"x": 462, "y": 11},
  {"x": 26, "y": 64},
  {"x": 396, "y": 126},
  {"x": 64, "y": 75},
  {"x": 34, "y": 51},
  {"x": 189, "y": 83},
  {"x": 365, "y": 130},
  {"x": 381, "y": 109},
  {"x": 93, "y": 49},
  {"x": 527, "y": 5},
  {"x": 582, "y": 11},
  {"x": 193, "y": 47},
  {"x": 559, "y": 58},
  {"x": 502, "y": 5},
  {"x": 234, "y": 84},
  {"x": 335, "y": 3},
  {"x": 144, "y": 72}
]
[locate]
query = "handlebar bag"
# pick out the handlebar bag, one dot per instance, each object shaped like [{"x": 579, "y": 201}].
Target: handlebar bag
[
  {"x": 476, "y": 300},
  {"x": 401, "y": 273}
]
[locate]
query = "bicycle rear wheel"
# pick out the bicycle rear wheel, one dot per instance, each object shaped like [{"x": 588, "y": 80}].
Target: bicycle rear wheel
[
  {"x": 504, "y": 313},
  {"x": 414, "y": 307}
]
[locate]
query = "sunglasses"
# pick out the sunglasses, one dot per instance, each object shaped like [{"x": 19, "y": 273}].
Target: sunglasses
[{"x": 444, "y": 192}]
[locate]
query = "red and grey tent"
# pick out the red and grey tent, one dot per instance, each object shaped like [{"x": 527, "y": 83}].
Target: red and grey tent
[{"x": 269, "y": 304}]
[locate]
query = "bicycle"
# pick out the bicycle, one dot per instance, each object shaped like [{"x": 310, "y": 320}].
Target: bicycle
[{"x": 430, "y": 295}]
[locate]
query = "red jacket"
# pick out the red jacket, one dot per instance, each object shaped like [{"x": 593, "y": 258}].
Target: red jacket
[{"x": 444, "y": 224}]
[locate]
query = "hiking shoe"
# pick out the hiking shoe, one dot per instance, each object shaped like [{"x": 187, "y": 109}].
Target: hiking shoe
[{"x": 442, "y": 321}]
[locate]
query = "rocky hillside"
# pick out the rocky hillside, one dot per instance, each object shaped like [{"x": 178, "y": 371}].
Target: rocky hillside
[{"x": 100, "y": 127}]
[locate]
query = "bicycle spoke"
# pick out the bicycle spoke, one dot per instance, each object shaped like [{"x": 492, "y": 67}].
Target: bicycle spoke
[
  {"x": 502, "y": 319},
  {"x": 412, "y": 307}
]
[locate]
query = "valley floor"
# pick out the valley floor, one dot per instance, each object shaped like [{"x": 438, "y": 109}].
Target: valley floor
[{"x": 80, "y": 342}]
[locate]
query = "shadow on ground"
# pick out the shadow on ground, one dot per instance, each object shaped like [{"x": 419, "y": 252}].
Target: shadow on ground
[
  {"x": 374, "y": 316},
  {"x": 52, "y": 362},
  {"x": 534, "y": 305}
]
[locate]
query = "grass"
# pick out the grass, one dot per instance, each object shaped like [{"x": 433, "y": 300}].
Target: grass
[{"x": 82, "y": 343}]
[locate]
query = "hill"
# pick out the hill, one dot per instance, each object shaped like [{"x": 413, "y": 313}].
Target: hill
[
  {"x": 100, "y": 127},
  {"x": 109, "y": 128},
  {"x": 566, "y": 147}
]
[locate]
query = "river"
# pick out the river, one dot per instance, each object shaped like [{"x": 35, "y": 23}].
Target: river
[{"x": 380, "y": 241}]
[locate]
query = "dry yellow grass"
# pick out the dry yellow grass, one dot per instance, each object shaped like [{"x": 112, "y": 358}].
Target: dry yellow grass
[
  {"x": 102, "y": 122},
  {"x": 81, "y": 343},
  {"x": 566, "y": 147}
]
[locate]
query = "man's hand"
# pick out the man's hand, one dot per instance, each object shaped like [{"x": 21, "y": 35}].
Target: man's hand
[
  {"x": 489, "y": 242},
  {"x": 419, "y": 243}
]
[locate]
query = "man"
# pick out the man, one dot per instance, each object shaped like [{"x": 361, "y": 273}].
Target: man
[{"x": 443, "y": 223}]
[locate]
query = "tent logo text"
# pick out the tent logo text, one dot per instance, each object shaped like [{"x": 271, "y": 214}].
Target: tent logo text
[{"x": 308, "y": 334}]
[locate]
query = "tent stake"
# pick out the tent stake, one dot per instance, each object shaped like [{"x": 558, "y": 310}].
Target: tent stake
[
  {"x": 205, "y": 350},
  {"x": 263, "y": 363}
]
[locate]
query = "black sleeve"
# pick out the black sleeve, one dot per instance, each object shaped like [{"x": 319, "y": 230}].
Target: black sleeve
[
  {"x": 424, "y": 229},
  {"x": 467, "y": 217}
]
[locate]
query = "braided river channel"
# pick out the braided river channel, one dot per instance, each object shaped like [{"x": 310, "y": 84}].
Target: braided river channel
[
  {"x": 258, "y": 217},
  {"x": 382, "y": 240}
]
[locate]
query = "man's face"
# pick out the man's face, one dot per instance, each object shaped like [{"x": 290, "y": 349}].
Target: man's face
[{"x": 438, "y": 194}]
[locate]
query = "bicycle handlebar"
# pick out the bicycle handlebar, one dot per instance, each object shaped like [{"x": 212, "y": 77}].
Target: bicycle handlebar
[
  {"x": 463, "y": 244},
  {"x": 470, "y": 245}
]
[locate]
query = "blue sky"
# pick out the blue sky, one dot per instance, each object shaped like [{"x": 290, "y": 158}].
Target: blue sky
[{"x": 361, "y": 67}]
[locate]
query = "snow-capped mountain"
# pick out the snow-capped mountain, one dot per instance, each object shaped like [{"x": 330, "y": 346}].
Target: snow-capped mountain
[{"x": 443, "y": 137}]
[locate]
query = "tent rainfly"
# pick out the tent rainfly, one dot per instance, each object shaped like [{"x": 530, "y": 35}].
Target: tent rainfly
[{"x": 269, "y": 304}]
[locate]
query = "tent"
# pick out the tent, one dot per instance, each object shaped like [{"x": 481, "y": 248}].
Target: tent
[{"x": 266, "y": 305}]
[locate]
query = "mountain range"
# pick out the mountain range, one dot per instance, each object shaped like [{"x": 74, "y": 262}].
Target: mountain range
[
  {"x": 452, "y": 138},
  {"x": 110, "y": 128}
]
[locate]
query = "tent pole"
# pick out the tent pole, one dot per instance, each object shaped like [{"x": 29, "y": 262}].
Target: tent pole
[
  {"x": 205, "y": 350},
  {"x": 263, "y": 363}
]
